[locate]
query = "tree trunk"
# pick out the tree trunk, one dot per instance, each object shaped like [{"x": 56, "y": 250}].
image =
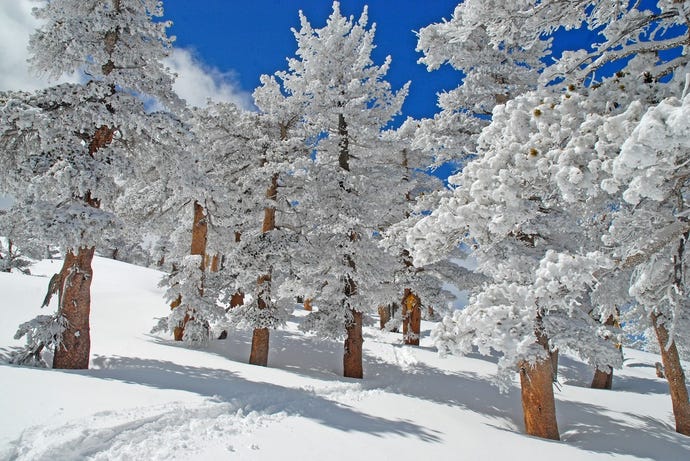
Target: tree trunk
[
  {"x": 199, "y": 233},
  {"x": 538, "y": 403},
  {"x": 604, "y": 379},
  {"x": 237, "y": 299},
  {"x": 554, "y": 364},
  {"x": 214, "y": 263},
  {"x": 260, "y": 342},
  {"x": 260, "y": 338},
  {"x": 198, "y": 247},
  {"x": 675, "y": 376},
  {"x": 307, "y": 305},
  {"x": 385, "y": 314},
  {"x": 75, "y": 307},
  {"x": 352, "y": 359},
  {"x": 412, "y": 317},
  {"x": 75, "y": 282}
]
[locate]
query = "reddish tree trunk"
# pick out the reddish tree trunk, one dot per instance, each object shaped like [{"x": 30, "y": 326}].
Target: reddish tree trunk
[
  {"x": 214, "y": 263},
  {"x": 675, "y": 377},
  {"x": 198, "y": 247},
  {"x": 352, "y": 359},
  {"x": 538, "y": 403},
  {"x": 604, "y": 379},
  {"x": 75, "y": 281},
  {"x": 385, "y": 314},
  {"x": 307, "y": 305},
  {"x": 199, "y": 233},
  {"x": 412, "y": 317},
  {"x": 261, "y": 336},
  {"x": 554, "y": 364},
  {"x": 75, "y": 306},
  {"x": 237, "y": 299},
  {"x": 260, "y": 342}
]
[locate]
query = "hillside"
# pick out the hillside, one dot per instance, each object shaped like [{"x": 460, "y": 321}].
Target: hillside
[{"x": 147, "y": 398}]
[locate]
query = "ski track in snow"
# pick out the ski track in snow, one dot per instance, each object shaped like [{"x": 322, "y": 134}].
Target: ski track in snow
[{"x": 171, "y": 431}]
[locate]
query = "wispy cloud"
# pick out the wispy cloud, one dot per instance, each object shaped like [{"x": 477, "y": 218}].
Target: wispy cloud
[
  {"x": 16, "y": 25},
  {"x": 197, "y": 83}
]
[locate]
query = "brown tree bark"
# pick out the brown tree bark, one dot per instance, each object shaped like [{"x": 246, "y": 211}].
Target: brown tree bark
[
  {"x": 538, "y": 403},
  {"x": 412, "y": 317},
  {"x": 261, "y": 336},
  {"x": 604, "y": 379},
  {"x": 554, "y": 354},
  {"x": 198, "y": 247},
  {"x": 674, "y": 375},
  {"x": 75, "y": 306},
  {"x": 385, "y": 314},
  {"x": 352, "y": 358},
  {"x": 75, "y": 284},
  {"x": 307, "y": 305},
  {"x": 199, "y": 234},
  {"x": 237, "y": 299},
  {"x": 214, "y": 263},
  {"x": 260, "y": 343}
]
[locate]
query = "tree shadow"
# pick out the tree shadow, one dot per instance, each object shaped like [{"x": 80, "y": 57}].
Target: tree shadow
[
  {"x": 588, "y": 427},
  {"x": 591, "y": 428},
  {"x": 227, "y": 386},
  {"x": 322, "y": 359},
  {"x": 580, "y": 374}
]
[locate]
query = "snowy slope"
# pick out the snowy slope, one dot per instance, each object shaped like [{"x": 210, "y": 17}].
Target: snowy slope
[{"x": 147, "y": 398}]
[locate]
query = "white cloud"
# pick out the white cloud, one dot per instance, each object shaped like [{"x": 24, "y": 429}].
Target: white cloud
[
  {"x": 16, "y": 25},
  {"x": 196, "y": 82}
]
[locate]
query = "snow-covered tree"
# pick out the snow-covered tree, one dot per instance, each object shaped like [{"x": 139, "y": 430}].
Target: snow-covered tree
[
  {"x": 534, "y": 203},
  {"x": 529, "y": 245},
  {"x": 634, "y": 150},
  {"x": 495, "y": 68},
  {"x": 346, "y": 102},
  {"x": 651, "y": 236},
  {"x": 69, "y": 149},
  {"x": 12, "y": 257},
  {"x": 422, "y": 289},
  {"x": 247, "y": 155},
  {"x": 196, "y": 202}
]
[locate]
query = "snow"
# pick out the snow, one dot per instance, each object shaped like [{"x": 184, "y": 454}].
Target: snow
[{"x": 146, "y": 397}]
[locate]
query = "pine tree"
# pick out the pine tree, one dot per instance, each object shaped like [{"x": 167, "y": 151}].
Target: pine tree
[
  {"x": 549, "y": 156},
  {"x": 74, "y": 144},
  {"x": 344, "y": 100}
]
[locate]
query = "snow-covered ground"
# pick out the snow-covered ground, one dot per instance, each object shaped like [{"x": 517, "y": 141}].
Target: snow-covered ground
[{"x": 147, "y": 398}]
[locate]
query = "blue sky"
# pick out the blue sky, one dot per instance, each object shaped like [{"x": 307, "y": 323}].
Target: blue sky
[
  {"x": 223, "y": 46},
  {"x": 244, "y": 39}
]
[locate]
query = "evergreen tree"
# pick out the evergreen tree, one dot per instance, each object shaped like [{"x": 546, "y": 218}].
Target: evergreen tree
[
  {"x": 343, "y": 98},
  {"x": 69, "y": 149},
  {"x": 547, "y": 277}
]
